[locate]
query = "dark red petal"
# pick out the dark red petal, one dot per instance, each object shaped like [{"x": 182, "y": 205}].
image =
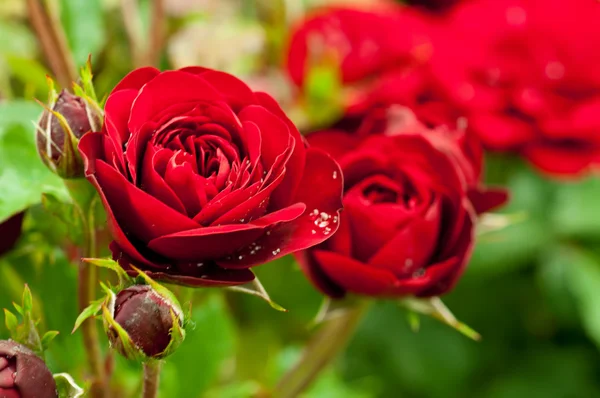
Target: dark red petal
[
  {"x": 165, "y": 89},
  {"x": 117, "y": 111},
  {"x": 320, "y": 190},
  {"x": 451, "y": 269},
  {"x": 136, "y": 79},
  {"x": 561, "y": 160},
  {"x": 275, "y": 132},
  {"x": 213, "y": 279},
  {"x": 236, "y": 93},
  {"x": 139, "y": 213},
  {"x": 154, "y": 183},
  {"x": 486, "y": 199},
  {"x": 413, "y": 245},
  {"x": 353, "y": 275},
  {"x": 315, "y": 274},
  {"x": 206, "y": 243},
  {"x": 91, "y": 149},
  {"x": 219, "y": 241},
  {"x": 335, "y": 142}
]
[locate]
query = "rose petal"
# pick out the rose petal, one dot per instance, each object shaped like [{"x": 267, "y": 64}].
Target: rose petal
[
  {"x": 335, "y": 142},
  {"x": 315, "y": 274},
  {"x": 322, "y": 174},
  {"x": 486, "y": 199},
  {"x": 561, "y": 159},
  {"x": 153, "y": 182},
  {"x": 353, "y": 275},
  {"x": 222, "y": 278},
  {"x": 165, "y": 89},
  {"x": 136, "y": 79},
  {"x": 413, "y": 246},
  {"x": 220, "y": 241},
  {"x": 139, "y": 213},
  {"x": 236, "y": 92}
]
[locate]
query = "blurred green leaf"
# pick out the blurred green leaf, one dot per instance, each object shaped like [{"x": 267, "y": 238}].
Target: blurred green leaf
[
  {"x": 31, "y": 74},
  {"x": 576, "y": 211},
  {"x": 207, "y": 346},
  {"x": 584, "y": 280},
  {"x": 84, "y": 26},
  {"x": 23, "y": 176}
]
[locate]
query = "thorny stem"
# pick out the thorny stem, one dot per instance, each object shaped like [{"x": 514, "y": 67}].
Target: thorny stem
[
  {"x": 320, "y": 351},
  {"x": 151, "y": 379}
]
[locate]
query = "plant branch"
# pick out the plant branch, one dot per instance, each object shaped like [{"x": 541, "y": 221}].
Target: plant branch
[
  {"x": 320, "y": 351},
  {"x": 86, "y": 294},
  {"x": 151, "y": 379},
  {"x": 51, "y": 38},
  {"x": 157, "y": 32}
]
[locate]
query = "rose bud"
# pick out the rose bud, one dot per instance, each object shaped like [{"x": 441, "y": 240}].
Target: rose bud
[
  {"x": 407, "y": 226},
  {"x": 23, "y": 374},
  {"x": 59, "y": 131},
  {"x": 142, "y": 323},
  {"x": 10, "y": 231},
  {"x": 203, "y": 178}
]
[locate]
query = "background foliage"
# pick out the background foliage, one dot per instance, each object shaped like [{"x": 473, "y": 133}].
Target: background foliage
[{"x": 532, "y": 290}]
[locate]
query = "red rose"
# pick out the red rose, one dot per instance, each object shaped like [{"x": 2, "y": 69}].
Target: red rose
[
  {"x": 524, "y": 82},
  {"x": 10, "y": 231},
  {"x": 464, "y": 148},
  {"x": 407, "y": 225},
  {"x": 203, "y": 178},
  {"x": 23, "y": 374},
  {"x": 382, "y": 55}
]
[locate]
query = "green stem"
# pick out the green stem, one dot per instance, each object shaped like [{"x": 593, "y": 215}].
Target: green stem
[
  {"x": 87, "y": 281},
  {"x": 320, "y": 351},
  {"x": 151, "y": 379}
]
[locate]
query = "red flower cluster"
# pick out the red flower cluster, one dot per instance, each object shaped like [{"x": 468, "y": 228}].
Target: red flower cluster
[{"x": 519, "y": 79}]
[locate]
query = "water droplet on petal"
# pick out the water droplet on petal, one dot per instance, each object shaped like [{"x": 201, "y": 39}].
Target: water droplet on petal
[{"x": 419, "y": 273}]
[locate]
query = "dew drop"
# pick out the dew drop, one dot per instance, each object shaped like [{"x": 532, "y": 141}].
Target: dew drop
[
  {"x": 419, "y": 273},
  {"x": 335, "y": 175},
  {"x": 240, "y": 257},
  {"x": 313, "y": 232}
]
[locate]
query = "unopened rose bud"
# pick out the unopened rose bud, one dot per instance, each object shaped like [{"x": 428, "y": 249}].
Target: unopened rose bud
[
  {"x": 57, "y": 139},
  {"x": 23, "y": 374},
  {"x": 142, "y": 323}
]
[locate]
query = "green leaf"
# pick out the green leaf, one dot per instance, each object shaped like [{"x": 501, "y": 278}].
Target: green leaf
[
  {"x": 23, "y": 176},
  {"x": 109, "y": 264},
  {"x": 255, "y": 288},
  {"x": 584, "y": 281},
  {"x": 90, "y": 311},
  {"x": 48, "y": 337},
  {"x": 31, "y": 73},
  {"x": 84, "y": 27},
  {"x": 66, "y": 386},
  {"x": 11, "y": 321},
  {"x": 27, "y": 300},
  {"x": 576, "y": 210},
  {"x": 435, "y": 308}
]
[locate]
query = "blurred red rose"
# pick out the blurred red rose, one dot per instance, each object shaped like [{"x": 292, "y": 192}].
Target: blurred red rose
[
  {"x": 203, "y": 178},
  {"x": 407, "y": 225},
  {"x": 383, "y": 56},
  {"x": 10, "y": 231},
  {"x": 525, "y": 73},
  {"x": 434, "y": 5}
]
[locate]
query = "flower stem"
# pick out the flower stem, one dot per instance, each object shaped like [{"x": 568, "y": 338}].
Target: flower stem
[
  {"x": 320, "y": 351},
  {"x": 87, "y": 293},
  {"x": 151, "y": 376}
]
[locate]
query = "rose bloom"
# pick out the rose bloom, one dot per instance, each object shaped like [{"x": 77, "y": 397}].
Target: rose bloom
[
  {"x": 10, "y": 231},
  {"x": 202, "y": 178},
  {"x": 23, "y": 374},
  {"x": 525, "y": 82},
  {"x": 382, "y": 55},
  {"x": 407, "y": 225}
]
